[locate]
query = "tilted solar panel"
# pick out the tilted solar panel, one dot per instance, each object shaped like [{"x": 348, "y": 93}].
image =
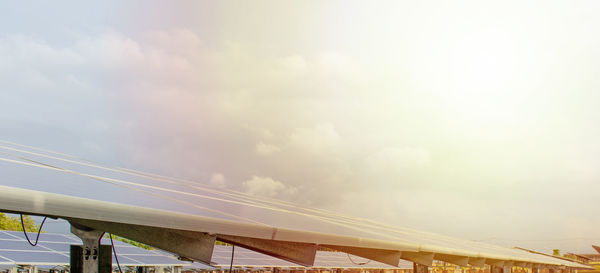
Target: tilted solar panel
[
  {"x": 155, "y": 260},
  {"x": 17, "y": 249},
  {"x": 36, "y": 257},
  {"x": 261, "y": 223}
]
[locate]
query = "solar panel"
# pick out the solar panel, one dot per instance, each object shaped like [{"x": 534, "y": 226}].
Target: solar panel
[
  {"x": 196, "y": 207},
  {"x": 123, "y": 250},
  {"x": 154, "y": 260},
  {"x": 17, "y": 249},
  {"x": 4, "y": 235},
  {"x": 106, "y": 241},
  {"x": 198, "y": 266},
  {"x": 60, "y": 247},
  {"x": 324, "y": 259},
  {"x": 17, "y": 245},
  {"x": 35, "y": 257},
  {"x": 44, "y": 237},
  {"x": 126, "y": 261}
]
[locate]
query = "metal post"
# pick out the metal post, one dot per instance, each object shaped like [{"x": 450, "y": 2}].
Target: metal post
[
  {"x": 91, "y": 257},
  {"x": 419, "y": 268}
]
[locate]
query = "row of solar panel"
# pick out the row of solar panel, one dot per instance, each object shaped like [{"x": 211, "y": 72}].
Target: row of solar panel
[
  {"x": 54, "y": 249},
  {"x": 324, "y": 259},
  {"x": 143, "y": 190}
]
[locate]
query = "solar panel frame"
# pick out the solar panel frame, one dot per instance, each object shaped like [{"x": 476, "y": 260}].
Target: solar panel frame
[
  {"x": 35, "y": 257},
  {"x": 18, "y": 250},
  {"x": 378, "y": 238},
  {"x": 276, "y": 220}
]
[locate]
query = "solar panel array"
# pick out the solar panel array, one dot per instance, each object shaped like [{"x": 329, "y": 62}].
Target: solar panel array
[
  {"x": 53, "y": 249},
  {"x": 193, "y": 206},
  {"x": 324, "y": 259}
]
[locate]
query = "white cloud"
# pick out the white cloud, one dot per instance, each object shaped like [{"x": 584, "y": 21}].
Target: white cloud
[
  {"x": 218, "y": 180},
  {"x": 168, "y": 95},
  {"x": 266, "y": 186},
  {"x": 266, "y": 149},
  {"x": 320, "y": 139}
]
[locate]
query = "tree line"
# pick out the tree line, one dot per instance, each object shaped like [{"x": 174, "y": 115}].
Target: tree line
[{"x": 14, "y": 223}]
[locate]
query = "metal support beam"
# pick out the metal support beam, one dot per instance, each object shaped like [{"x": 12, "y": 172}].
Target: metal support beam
[
  {"x": 453, "y": 259},
  {"x": 91, "y": 257},
  {"x": 496, "y": 269},
  {"x": 494, "y": 262},
  {"x": 187, "y": 244},
  {"x": 391, "y": 257},
  {"x": 419, "y": 268},
  {"x": 300, "y": 253},
  {"x": 478, "y": 262},
  {"x": 520, "y": 264},
  {"x": 423, "y": 258}
]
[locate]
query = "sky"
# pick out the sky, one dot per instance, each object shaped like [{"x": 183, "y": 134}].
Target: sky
[{"x": 471, "y": 119}]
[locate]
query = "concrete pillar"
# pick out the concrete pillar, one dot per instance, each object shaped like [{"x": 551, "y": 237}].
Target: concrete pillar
[{"x": 159, "y": 269}]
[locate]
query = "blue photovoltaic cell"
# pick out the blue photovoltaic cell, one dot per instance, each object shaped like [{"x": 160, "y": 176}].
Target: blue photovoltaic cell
[
  {"x": 154, "y": 259},
  {"x": 35, "y": 257},
  {"x": 2, "y": 260},
  {"x": 123, "y": 260},
  {"x": 46, "y": 237},
  {"x": 48, "y": 267},
  {"x": 219, "y": 260},
  {"x": 60, "y": 247},
  {"x": 198, "y": 266},
  {"x": 106, "y": 241},
  {"x": 131, "y": 250},
  {"x": 4, "y": 235},
  {"x": 16, "y": 245}
]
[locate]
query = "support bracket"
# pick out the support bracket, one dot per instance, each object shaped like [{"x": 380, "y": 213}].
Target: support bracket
[
  {"x": 300, "y": 253},
  {"x": 91, "y": 257},
  {"x": 423, "y": 258},
  {"x": 187, "y": 244},
  {"x": 453, "y": 259},
  {"x": 391, "y": 257},
  {"x": 478, "y": 262}
]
